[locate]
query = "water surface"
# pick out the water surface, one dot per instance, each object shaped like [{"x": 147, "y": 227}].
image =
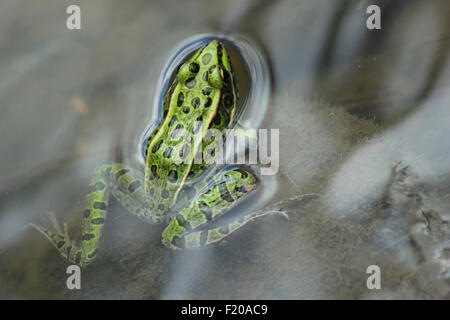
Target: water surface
[{"x": 364, "y": 136}]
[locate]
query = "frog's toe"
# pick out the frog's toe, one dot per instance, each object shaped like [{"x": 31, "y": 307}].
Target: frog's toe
[
  {"x": 64, "y": 244},
  {"x": 284, "y": 214},
  {"x": 51, "y": 236},
  {"x": 52, "y": 217}
]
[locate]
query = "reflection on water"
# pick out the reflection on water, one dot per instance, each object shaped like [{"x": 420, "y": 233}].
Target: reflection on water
[{"x": 364, "y": 127}]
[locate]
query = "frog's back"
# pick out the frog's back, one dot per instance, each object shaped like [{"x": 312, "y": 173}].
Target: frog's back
[{"x": 202, "y": 97}]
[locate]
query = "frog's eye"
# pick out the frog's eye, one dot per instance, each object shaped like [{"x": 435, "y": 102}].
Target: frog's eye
[{"x": 215, "y": 76}]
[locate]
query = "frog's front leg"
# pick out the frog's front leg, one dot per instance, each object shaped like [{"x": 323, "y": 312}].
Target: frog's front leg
[
  {"x": 127, "y": 186},
  {"x": 227, "y": 188}
]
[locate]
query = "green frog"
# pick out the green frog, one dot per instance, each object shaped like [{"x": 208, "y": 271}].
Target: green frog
[{"x": 202, "y": 96}]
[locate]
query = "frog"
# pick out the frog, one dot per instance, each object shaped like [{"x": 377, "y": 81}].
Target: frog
[{"x": 202, "y": 96}]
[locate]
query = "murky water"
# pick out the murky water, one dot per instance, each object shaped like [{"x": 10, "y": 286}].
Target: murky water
[{"x": 364, "y": 146}]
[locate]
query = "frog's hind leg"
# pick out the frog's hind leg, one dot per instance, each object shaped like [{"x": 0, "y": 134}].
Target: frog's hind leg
[
  {"x": 124, "y": 184},
  {"x": 202, "y": 238},
  {"x": 93, "y": 219},
  {"x": 220, "y": 195}
]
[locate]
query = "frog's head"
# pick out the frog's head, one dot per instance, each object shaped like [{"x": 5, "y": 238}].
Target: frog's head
[{"x": 207, "y": 64}]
